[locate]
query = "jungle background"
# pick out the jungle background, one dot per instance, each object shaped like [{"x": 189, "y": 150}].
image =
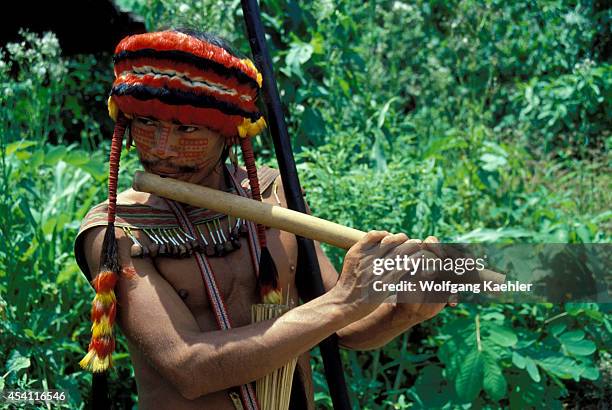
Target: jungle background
[{"x": 469, "y": 120}]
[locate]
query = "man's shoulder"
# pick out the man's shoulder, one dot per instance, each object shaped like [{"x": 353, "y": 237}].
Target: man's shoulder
[
  {"x": 265, "y": 175},
  {"x": 132, "y": 208},
  {"x": 132, "y": 197}
]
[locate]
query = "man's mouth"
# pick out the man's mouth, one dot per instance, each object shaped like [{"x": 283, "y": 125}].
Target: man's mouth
[{"x": 168, "y": 169}]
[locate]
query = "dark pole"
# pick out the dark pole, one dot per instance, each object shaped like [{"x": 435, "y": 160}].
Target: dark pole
[{"x": 308, "y": 275}]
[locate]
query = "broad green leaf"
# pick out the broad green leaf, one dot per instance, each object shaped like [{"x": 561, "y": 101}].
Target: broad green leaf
[
  {"x": 580, "y": 347},
  {"x": 495, "y": 316},
  {"x": 560, "y": 366},
  {"x": 501, "y": 335},
  {"x": 524, "y": 392},
  {"x": 532, "y": 369},
  {"x": 76, "y": 157},
  {"x": 1, "y": 384},
  {"x": 312, "y": 124},
  {"x": 344, "y": 86},
  {"x": 97, "y": 169},
  {"x": 575, "y": 309},
  {"x": 18, "y": 146},
  {"x": 37, "y": 158},
  {"x": 494, "y": 381},
  {"x": 48, "y": 226},
  {"x": 54, "y": 154},
  {"x": 469, "y": 380},
  {"x": 573, "y": 336},
  {"x": 298, "y": 54},
  {"x": 518, "y": 360},
  {"x": 23, "y": 155},
  {"x": 557, "y": 328},
  {"x": 120, "y": 356},
  {"x": 590, "y": 373}
]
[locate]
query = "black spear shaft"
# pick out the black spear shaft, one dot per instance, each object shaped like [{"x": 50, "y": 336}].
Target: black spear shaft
[{"x": 308, "y": 275}]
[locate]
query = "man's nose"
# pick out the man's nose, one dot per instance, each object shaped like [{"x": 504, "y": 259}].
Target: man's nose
[{"x": 164, "y": 143}]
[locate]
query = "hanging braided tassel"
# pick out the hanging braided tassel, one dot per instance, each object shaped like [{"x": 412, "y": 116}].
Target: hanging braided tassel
[
  {"x": 267, "y": 282},
  {"x": 104, "y": 306}
]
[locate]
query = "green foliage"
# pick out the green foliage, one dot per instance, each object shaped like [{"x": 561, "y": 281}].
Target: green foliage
[
  {"x": 46, "y": 189},
  {"x": 471, "y": 121}
]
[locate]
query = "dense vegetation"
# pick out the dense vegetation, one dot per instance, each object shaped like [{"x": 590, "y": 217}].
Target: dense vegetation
[{"x": 469, "y": 120}]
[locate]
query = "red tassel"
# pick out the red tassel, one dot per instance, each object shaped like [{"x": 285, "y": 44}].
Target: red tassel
[
  {"x": 104, "y": 306},
  {"x": 105, "y": 281}
]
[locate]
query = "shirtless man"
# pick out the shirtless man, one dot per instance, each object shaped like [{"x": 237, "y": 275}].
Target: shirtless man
[{"x": 181, "y": 359}]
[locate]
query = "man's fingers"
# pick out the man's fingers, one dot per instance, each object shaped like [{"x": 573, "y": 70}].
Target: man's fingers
[
  {"x": 433, "y": 244},
  {"x": 369, "y": 240},
  {"x": 395, "y": 239},
  {"x": 413, "y": 261}
]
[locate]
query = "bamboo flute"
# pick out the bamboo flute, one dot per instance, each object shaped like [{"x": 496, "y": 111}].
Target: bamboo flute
[{"x": 273, "y": 216}]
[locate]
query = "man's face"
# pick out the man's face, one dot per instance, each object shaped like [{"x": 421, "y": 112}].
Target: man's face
[{"x": 176, "y": 150}]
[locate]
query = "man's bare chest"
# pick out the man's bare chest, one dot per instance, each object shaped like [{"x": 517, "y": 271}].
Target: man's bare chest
[{"x": 235, "y": 277}]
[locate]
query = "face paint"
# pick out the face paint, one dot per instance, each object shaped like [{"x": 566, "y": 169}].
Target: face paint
[
  {"x": 194, "y": 148},
  {"x": 144, "y": 137},
  {"x": 162, "y": 144},
  {"x": 166, "y": 148}
]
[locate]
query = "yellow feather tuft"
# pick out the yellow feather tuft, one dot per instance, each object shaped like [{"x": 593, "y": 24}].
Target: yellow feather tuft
[
  {"x": 249, "y": 63},
  {"x": 105, "y": 298},
  {"x": 85, "y": 362},
  {"x": 101, "y": 328},
  {"x": 243, "y": 128},
  {"x": 101, "y": 364},
  {"x": 249, "y": 129},
  {"x": 113, "y": 110},
  {"x": 95, "y": 363}
]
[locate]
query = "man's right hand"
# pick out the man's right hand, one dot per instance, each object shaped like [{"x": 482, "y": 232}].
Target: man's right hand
[{"x": 354, "y": 289}]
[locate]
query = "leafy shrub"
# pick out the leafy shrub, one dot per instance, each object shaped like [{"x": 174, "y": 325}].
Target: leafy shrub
[{"x": 46, "y": 190}]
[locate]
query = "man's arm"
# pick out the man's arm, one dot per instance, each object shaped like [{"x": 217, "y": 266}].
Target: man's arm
[
  {"x": 157, "y": 321},
  {"x": 388, "y": 321}
]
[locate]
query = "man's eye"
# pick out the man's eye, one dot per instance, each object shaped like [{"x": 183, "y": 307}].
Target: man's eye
[
  {"x": 187, "y": 129},
  {"x": 146, "y": 121}
]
